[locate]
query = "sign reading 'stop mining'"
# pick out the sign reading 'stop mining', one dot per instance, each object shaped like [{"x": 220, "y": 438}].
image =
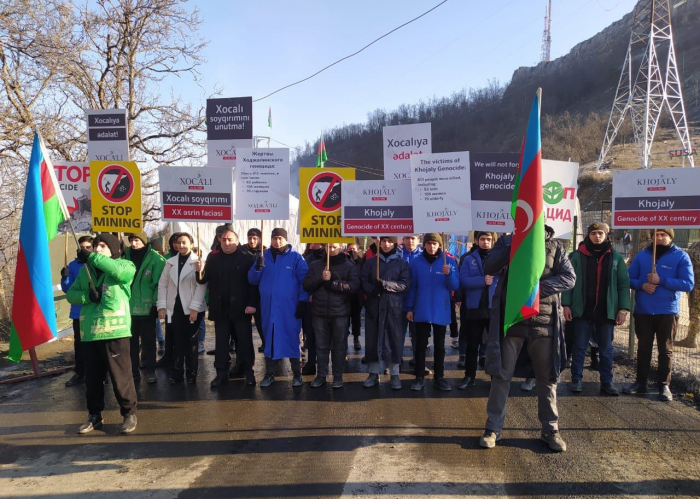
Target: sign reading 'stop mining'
[{"x": 229, "y": 126}]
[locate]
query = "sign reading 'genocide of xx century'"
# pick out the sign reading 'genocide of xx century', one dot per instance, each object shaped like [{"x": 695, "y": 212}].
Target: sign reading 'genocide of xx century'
[
  {"x": 108, "y": 136},
  {"x": 262, "y": 184},
  {"x": 401, "y": 142},
  {"x": 376, "y": 207},
  {"x": 229, "y": 126},
  {"x": 647, "y": 199},
  {"x": 74, "y": 182},
  {"x": 190, "y": 194},
  {"x": 320, "y": 198},
  {"x": 440, "y": 193},
  {"x": 116, "y": 196}
]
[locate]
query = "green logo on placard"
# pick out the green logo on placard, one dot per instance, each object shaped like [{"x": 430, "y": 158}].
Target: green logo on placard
[{"x": 553, "y": 192}]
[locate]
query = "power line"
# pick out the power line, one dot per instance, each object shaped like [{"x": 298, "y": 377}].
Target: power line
[{"x": 354, "y": 54}]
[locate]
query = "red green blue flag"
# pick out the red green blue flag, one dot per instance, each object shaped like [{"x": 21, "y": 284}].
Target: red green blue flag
[
  {"x": 33, "y": 314},
  {"x": 527, "y": 252},
  {"x": 322, "y": 156},
  {"x": 269, "y": 117}
]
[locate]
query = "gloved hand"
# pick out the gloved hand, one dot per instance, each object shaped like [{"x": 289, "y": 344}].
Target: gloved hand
[
  {"x": 301, "y": 309},
  {"x": 378, "y": 287},
  {"x": 64, "y": 273},
  {"x": 94, "y": 295},
  {"x": 83, "y": 255},
  {"x": 260, "y": 262}
]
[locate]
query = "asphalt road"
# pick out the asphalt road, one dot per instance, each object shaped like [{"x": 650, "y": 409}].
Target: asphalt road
[{"x": 193, "y": 442}]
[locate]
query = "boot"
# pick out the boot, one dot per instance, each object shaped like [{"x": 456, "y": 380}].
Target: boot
[
  {"x": 372, "y": 380},
  {"x": 466, "y": 383},
  {"x": 356, "y": 343},
  {"x": 221, "y": 378},
  {"x": 442, "y": 384},
  {"x": 554, "y": 440},
  {"x": 637, "y": 387},
  {"x": 609, "y": 389},
  {"x": 337, "y": 381},
  {"x": 576, "y": 386}
]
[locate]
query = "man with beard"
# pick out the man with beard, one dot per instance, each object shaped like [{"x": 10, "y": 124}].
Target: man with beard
[
  {"x": 332, "y": 290},
  {"x": 659, "y": 279},
  {"x": 383, "y": 310},
  {"x": 600, "y": 300}
]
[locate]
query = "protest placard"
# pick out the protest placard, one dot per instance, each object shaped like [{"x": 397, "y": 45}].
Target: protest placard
[
  {"x": 262, "y": 184},
  {"x": 190, "y": 194},
  {"x": 74, "y": 181},
  {"x": 401, "y": 142},
  {"x": 377, "y": 207},
  {"x": 115, "y": 187},
  {"x": 108, "y": 135},
  {"x": 320, "y": 198},
  {"x": 229, "y": 126}
]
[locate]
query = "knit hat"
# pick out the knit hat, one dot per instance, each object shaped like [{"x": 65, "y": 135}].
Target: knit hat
[
  {"x": 110, "y": 240},
  {"x": 279, "y": 232},
  {"x": 255, "y": 232},
  {"x": 224, "y": 228},
  {"x": 599, "y": 226},
  {"x": 432, "y": 236},
  {"x": 670, "y": 232},
  {"x": 391, "y": 238},
  {"x": 157, "y": 244},
  {"x": 138, "y": 235},
  {"x": 479, "y": 233}
]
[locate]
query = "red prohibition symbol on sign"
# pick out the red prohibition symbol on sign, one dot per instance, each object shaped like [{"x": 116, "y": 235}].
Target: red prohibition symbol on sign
[
  {"x": 324, "y": 191},
  {"x": 116, "y": 184}
]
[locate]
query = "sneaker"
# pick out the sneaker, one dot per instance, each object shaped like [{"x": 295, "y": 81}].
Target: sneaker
[
  {"x": 94, "y": 422},
  {"x": 75, "y": 380},
  {"x": 461, "y": 363},
  {"x": 635, "y": 388},
  {"x": 161, "y": 348},
  {"x": 528, "y": 384},
  {"x": 466, "y": 383},
  {"x": 418, "y": 384},
  {"x": 372, "y": 380},
  {"x": 489, "y": 438},
  {"x": 554, "y": 440},
  {"x": 395, "y": 382},
  {"x": 665, "y": 394},
  {"x": 318, "y": 381},
  {"x": 128, "y": 425},
  {"x": 308, "y": 369},
  {"x": 267, "y": 381},
  {"x": 356, "y": 344},
  {"x": 200, "y": 347},
  {"x": 337, "y": 382},
  {"x": 297, "y": 380},
  {"x": 151, "y": 378},
  {"x": 442, "y": 384},
  {"x": 576, "y": 386},
  {"x": 609, "y": 389}
]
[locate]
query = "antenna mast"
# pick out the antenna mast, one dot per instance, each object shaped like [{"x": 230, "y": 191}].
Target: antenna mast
[{"x": 547, "y": 34}]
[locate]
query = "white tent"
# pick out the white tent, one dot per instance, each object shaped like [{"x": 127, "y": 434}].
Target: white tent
[{"x": 208, "y": 230}]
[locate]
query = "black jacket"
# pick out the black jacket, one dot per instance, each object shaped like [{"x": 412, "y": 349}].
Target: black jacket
[
  {"x": 332, "y": 298},
  {"x": 241, "y": 294}
]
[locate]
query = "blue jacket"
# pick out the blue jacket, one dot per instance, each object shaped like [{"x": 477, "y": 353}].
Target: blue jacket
[
  {"x": 281, "y": 289},
  {"x": 73, "y": 270},
  {"x": 675, "y": 276},
  {"x": 430, "y": 291},
  {"x": 408, "y": 258},
  {"x": 471, "y": 280}
]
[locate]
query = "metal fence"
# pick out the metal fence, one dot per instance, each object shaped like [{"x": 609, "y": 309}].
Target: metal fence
[{"x": 686, "y": 361}]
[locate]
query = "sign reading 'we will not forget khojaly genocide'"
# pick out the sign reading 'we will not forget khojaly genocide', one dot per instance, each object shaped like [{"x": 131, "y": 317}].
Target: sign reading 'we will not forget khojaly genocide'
[
  {"x": 320, "y": 199},
  {"x": 376, "y": 207},
  {"x": 116, "y": 196},
  {"x": 401, "y": 142},
  {"x": 229, "y": 126},
  {"x": 440, "y": 193},
  {"x": 647, "y": 199},
  {"x": 262, "y": 184},
  {"x": 190, "y": 194},
  {"x": 108, "y": 135}
]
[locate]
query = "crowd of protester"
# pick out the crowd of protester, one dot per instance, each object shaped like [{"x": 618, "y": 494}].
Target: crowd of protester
[{"x": 313, "y": 303}]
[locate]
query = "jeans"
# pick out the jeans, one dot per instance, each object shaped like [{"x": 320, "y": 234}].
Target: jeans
[
  {"x": 423, "y": 335},
  {"x": 159, "y": 331},
  {"x": 331, "y": 332},
  {"x": 602, "y": 333},
  {"x": 202, "y": 331}
]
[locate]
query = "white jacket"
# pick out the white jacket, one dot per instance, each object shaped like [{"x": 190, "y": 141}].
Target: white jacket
[{"x": 191, "y": 293}]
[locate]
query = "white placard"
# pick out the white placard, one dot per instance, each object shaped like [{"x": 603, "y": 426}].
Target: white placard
[
  {"x": 560, "y": 179},
  {"x": 376, "y": 207},
  {"x": 441, "y": 200},
  {"x": 74, "y": 182},
  {"x": 401, "y": 142},
  {"x": 190, "y": 194},
  {"x": 229, "y": 128},
  {"x": 262, "y": 184},
  {"x": 665, "y": 197},
  {"x": 108, "y": 135}
]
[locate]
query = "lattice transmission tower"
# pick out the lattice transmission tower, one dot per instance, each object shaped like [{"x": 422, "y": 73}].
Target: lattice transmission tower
[
  {"x": 547, "y": 35},
  {"x": 649, "y": 82}
]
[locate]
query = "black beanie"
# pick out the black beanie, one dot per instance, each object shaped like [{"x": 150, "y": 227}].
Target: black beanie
[
  {"x": 110, "y": 240},
  {"x": 255, "y": 232},
  {"x": 279, "y": 232}
]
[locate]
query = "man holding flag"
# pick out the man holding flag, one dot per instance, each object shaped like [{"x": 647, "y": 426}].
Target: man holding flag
[{"x": 533, "y": 271}]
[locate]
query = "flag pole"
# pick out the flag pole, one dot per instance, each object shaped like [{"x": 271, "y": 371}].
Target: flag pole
[
  {"x": 65, "y": 249},
  {"x": 444, "y": 250},
  {"x": 653, "y": 251},
  {"x": 328, "y": 256},
  {"x": 378, "y": 250},
  {"x": 87, "y": 271},
  {"x": 199, "y": 250}
]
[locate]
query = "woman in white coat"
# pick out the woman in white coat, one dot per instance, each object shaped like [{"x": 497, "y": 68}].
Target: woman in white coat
[{"x": 181, "y": 301}]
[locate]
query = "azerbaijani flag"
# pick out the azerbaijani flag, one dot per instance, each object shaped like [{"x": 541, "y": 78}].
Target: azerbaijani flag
[
  {"x": 33, "y": 314},
  {"x": 527, "y": 251},
  {"x": 322, "y": 156},
  {"x": 269, "y": 117}
]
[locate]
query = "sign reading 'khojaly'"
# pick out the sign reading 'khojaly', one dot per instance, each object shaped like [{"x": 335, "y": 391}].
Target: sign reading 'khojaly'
[
  {"x": 372, "y": 207},
  {"x": 196, "y": 194}
]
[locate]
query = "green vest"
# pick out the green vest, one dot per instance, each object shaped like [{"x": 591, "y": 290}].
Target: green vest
[{"x": 144, "y": 289}]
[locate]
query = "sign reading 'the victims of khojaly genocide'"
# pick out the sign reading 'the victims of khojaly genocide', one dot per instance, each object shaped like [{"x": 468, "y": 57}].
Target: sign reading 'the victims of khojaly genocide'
[
  {"x": 190, "y": 194},
  {"x": 229, "y": 126},
  {"x": 647, "y": 199},
  {"x": 320, "y": 197},
  {"x": 377, "y": 207},
  {"x": 116, "y": 196}
]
